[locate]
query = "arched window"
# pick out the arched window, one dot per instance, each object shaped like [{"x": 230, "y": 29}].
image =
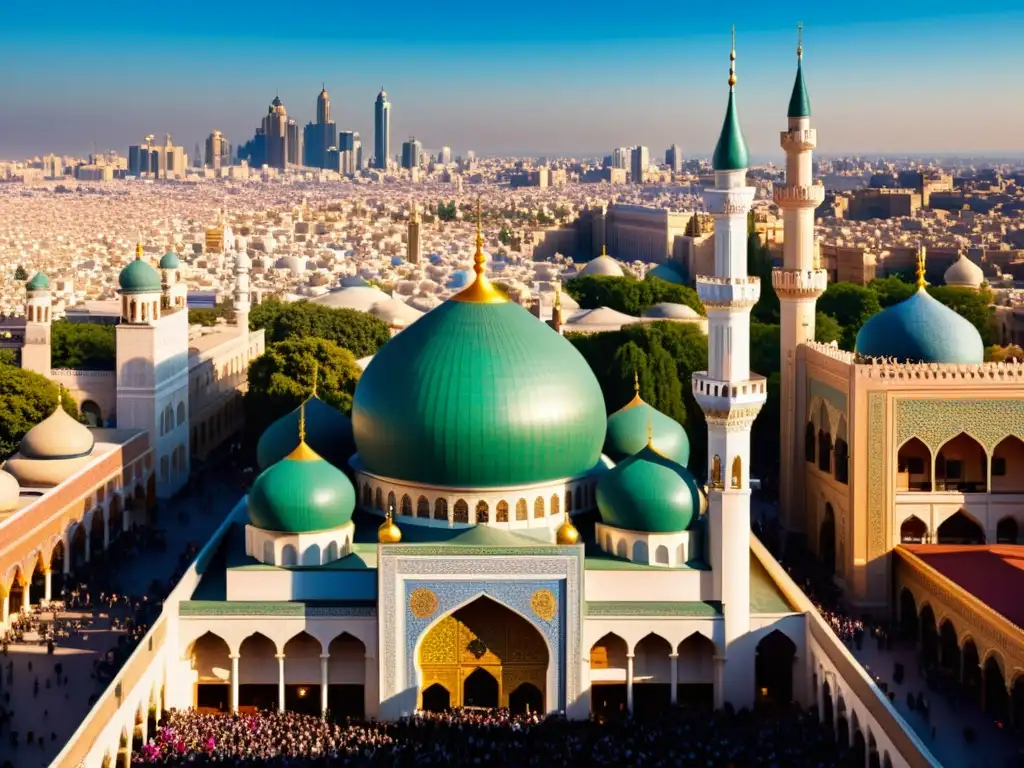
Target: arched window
[
  {"x": 555, "y": 504},
  {"x": 538, "y": 507},
  {"x": 441, "y": 509},
  {"x": 737, "y": 473},
  {"x": 406, "y": 504},
  {"x": 181, "y": 414},
  {"x": 502, "y": 515},
  {"x": 483, "y": 514},
  {"x": 522, "y": 513},
  {"x": 422, "y": 507},
  {"x": 842, "y": 461},
  {"x": 824, "y": 451},
  {"x": 391, "y": 501},
  {"x": 461, "y": 512},
  {"x": 379, "y": 498},
  {"x": 367, "y": 496}
]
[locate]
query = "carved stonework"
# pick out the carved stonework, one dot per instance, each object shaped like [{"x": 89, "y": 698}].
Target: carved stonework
[
  {"x": 422, "y": 603},
  {"x": 543, "y": 604},
  {"x": 876, "y": 474},
  {"x": 934, "y": 422}
]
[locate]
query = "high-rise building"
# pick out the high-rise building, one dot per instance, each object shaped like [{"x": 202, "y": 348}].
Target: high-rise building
[
  {"x": 799, "y": 282},
  {"x": 411, "y": 153},
  {"x": 159, "y": 161},
  {"x": 294, "y": 144},
  {"x": 640, "y": 158},
  {"x": 218, "y": 151},
  {"x": 360, "y": 161},
  {"x": 414, "y": 245},
  {"x": 275, "y": 133},
  {"x": 381, "y": 130},
  {"x": 321, "y": 137},
  {"x": 347, "y": 152},
  {"x": 444, "y": 157},
  {"x": 674, "y": 158}
]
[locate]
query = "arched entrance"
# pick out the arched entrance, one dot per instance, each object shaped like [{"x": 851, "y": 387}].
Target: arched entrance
[
  {"x": 481, "y": 640},
  {"x": 995, "y": 689},
  {"x": 971, "y": 667},
  {"x": 949, "y": 648},
  {"x": 91, "y": 414},
  {"x": 961, "y": 529},
  {"x": 828, "y": 716},
  {"x": 827, "y": 541},
  {"x": 908, "y": 615},
  {"x": 773, "y": 670},
  {"x": 913, "y": 531},
  {"x": 525, "y": 699},
  {"x": 211, "y": 660},
  {"x": 436, "y": 698},
  {"x": 608, "y": 676},
  {"x": 1006, "y": 531}
]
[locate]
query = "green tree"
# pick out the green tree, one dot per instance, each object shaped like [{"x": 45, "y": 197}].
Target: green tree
[
  {"x": 83, "y": 346},
  {"x": 447, "y": 211},
  {"x": 765, "y": 349},
  {"x": 8, "y": 356},
  {"x": 629, "y": 361},
  {"x": 20, "y": 274},
  {"x": 826, "y": 328},
  {"x": 359, "y": 332},
  {"x": 504, "y": 236},
  {"x": 759, "y": 264},
  {"x": 629, "y": 295},
  {"x": 891, "y": 290},
  {"x": 998, "y": 354},
  {"x": 282, "y": 377},
  {"x": 208, "y": 317},
  {"x": 26, "y": 398},
  {"x": 974, "y": 306},
  {"x": 850, "y": 305}
]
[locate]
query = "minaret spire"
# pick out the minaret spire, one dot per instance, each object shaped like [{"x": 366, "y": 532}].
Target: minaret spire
[
  {"x": 480, "y": 291},
  {"x": 731, "y": 151}
]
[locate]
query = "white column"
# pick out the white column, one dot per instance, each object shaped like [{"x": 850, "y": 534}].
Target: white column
[
  {"x": 234, "y": 682},
  {"x": 673, "y": 661},
  {"x": 324, "y": 659},
  {"x": 158, "y": 708},
  {"x": 280, "y": 682},
  {"x": 5, "y": 610},
  {"x": 26, "y": 597},
  {"x": 629, "y": 683},
  {"x": 47, "y": 586}
]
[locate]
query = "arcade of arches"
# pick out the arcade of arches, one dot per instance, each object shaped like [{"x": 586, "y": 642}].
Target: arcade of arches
[
  {"x": 652, "y": 675},
  {"x": 304, "y": 677},
  {"x": 848, "y": 730},
  {"x": 961, "y": 464},
  {"x": 483, "y": 655}
]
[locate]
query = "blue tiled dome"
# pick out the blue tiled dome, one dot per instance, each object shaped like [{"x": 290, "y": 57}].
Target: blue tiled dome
[{"x": 921, "y": 329}]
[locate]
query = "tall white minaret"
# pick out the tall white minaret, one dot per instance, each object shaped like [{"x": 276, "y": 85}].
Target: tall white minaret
[
  {"x": 241, "y": 298},
  {"x": 731, "y": 397},
  {"x": 798, "y": 285},
  {"x": 36, "y": 353}
]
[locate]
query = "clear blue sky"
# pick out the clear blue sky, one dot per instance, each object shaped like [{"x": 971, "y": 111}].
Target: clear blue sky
[{"x": 552, "y": 77}]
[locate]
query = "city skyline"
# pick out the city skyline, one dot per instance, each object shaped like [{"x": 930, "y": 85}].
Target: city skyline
[{"x": 886, "y": 83}]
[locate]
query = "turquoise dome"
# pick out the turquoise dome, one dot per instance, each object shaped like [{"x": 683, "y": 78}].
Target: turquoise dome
[
  {"x": 648, "y": 493},
  {"x": 921, "y": 329},
  {"x": 671, "y": 272},
  {"x": 478, "y": 394},
  {"x": 139, "y": 277},
  {"x": 627, "y": 433},
  {"x": 39, "y": 282},
  {"x": 328, "y": 432},
  {"x": 170, "y": 260},
  {"x": 302, "y": 493}
]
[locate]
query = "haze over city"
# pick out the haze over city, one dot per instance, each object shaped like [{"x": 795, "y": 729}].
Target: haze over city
[{"x": 917, "y": 78}]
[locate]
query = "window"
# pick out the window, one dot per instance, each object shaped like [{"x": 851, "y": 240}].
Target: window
[
  {"x": 538, "y": 507},
  {"x": 521, "y": 510}
]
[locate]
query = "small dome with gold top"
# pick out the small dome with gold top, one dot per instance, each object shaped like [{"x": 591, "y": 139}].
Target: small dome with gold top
[
  {"x": 567, "y": 535},
  {"x": 388, "y": 532},
  {"x": 627, "y": 431},
  {"x": 139, "y": 276}
]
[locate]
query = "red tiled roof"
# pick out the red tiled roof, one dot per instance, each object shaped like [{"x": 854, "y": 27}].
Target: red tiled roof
[{"x": 993, "y": 574}]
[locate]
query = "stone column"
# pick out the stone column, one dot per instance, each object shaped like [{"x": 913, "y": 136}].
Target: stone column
[
  {"x": 719, "y": 682},
  {"x": 106, "y": 531},
  {"x": 87, "y": 544},
  {"x": 324, "y": 659},
  {"x": 5, "y": 610},
  {"x": 673, "y": 661},
  {"x": 371, "y": 686},
  {"x": 67, "y": 554},
  {"x": 158, "y": 707},
  {"x": 47, "y": 594},
  {"x": 280, "y": 682},
  {"x": 234, "y": 682},
  {"x": 26, "y": 597},
  {"x": 629, "y": 683}
]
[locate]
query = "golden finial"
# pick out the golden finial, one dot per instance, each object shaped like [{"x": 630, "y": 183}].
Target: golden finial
[
  {"x": 558, "y": 297},
  {"x": 302, "y": 451},
  {"x": 732, "y": 59},
  {"x": 388, "y": 532},
  {"x": 921, "y": 283},
  {"x": 800, "y": 40},
  {"x": 138, "y": 251},
  {"x": 60, "y": 396},
  {"x": 636, "y": 383},
  {"x": 480, "y": 291},
  {"x": 316, "y": 376},
  {"x": 567, "y": 535},
  {"x": 637, "y": 400}
]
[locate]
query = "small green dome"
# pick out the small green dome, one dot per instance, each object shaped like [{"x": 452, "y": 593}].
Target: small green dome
[
  {"x": 627, "y": 433},
  {"x": 799, "y": 103},
  {"x": 170, "y": 260},
  {"x": 39, "y": 282},
  {"x": 731, "y": 151},
  {"x": 301, "y": 494},
  {"x": 328, "y": 432},
  {"x": 671, "y": 272},
  {"x": 139, "y": 277},
  {"x": 478, "y": 394},
  {"x": 921, "y": 329},
  {"x": 648, "y": 493}
]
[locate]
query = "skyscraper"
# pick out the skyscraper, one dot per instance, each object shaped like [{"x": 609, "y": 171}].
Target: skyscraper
[
  {"x": 674, "y": 158},
  {"x": 294, "y": 144},
  {"x": 444, "y": 157},
  {"x": 275, "y": 132},
  {"x": 347, "y": 152},
  {"x": 639, "y": 160},
  {"x": 414, "y": 245},
  {"x": 381, "y": 130},
  {"x": 411, "y": 153},
  {"x": 321, "y": 136},
  {"x": 621, "y": 157},
  {"x": 217, "y": 153},
  {"x": 160, "y": 161}
]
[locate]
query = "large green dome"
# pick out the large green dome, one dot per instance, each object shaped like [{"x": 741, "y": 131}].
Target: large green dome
[
  {"x": 648, "y": 493},
  {"x": 628, "y": 433},
  {"x": 921, "y": 329},
  {"x": 301, "y": 494},
  {"x": 478, "y": 394},
  {"x": 139, "y": 277},
  {"x": 328, "y": 432}
]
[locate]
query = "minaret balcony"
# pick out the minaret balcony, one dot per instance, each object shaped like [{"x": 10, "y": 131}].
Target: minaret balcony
[
  {"x": 799, "y": 140},
  {"x": 728, "y": 292},
  {"x": 729, "y": 400},
  {"x": 799, "y": 283},
  {"x": 799, "y": 195}
]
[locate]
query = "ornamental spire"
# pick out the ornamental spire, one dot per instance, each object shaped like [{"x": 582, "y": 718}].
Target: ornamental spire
[
  {"x": 480, "y": 291},
  {"x": 731, "y": 151},
  {"x": 138, "y": 251},
  {"x": 302, "y": 423},
  {"x": 732, "y": 60},
  {"x": 799, "y": 103},
  {"x": 921, "y": 282},
  {"x": 636, "y": 383},
  {"x": 316, "y": 376}
]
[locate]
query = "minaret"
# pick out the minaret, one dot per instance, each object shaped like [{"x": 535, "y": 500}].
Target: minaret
[
  {"x": 36, "y": 352},
  {"x": 731, "y": 397},
  {"x": 241, "y": 298},
  {"x": 414, "y": 246},
  {"x": 798, "y": 285}
]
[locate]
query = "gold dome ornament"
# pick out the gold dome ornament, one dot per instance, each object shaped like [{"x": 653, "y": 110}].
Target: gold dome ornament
[
  {"x": 567, "y": 535},
  {"x": 388, "y": 532},
  {"x": 481, "y": 290}
]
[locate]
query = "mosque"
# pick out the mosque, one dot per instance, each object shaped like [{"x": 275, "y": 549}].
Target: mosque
[{"x": 480, "y": 533}]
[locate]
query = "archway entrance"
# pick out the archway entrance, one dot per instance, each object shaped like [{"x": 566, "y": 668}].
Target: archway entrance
[
  {"x": 773, "y": 670},
  {"x": 827, "y": 542},
  {"x": 961, "y": 529},
  {"x": 479, "y": 655},
  {"x": 525, "y": 699},
  {"x": 908, "y": 615},
  {"x": 480, "y": 690}
]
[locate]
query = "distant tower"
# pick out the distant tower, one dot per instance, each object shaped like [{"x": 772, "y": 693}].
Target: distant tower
[
  {"x": 731, "y": 397},
  {"x": 381, "y": 130},
  {"x": 323, "y": 106},
  {"x": 35, "y": 354},
  {"x": 241, "y": 302},
  {"x": 275, "y": 133},
  {"x": 798, "y": 285},
  {"x": 415, "y": 243}
]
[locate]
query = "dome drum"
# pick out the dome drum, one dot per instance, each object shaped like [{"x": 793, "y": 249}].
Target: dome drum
[
  {"x": 284, "y": 549},
  {"x": 43, "y": 473},
  {"x": 665, "y": 550}
]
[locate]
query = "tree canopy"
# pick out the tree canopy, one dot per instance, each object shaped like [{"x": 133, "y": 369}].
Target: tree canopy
[
  {"x": 26, "y": 398},
  {"x": 629, "y": 295},
  {"x": 360, "y": 333},
  {"x": 447, "y": 211},
  {"x": 282, "y": 378},
  {"x": 998, "y": 354},
  {"x": 759, "y": 264},
  {"x": 208, "y": 317},
  {"x": 20, "y": 274},
  {"x": 83, "y": 346}
]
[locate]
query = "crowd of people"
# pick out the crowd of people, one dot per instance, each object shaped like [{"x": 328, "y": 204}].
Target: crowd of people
[{"x": 495, "y": 738}]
